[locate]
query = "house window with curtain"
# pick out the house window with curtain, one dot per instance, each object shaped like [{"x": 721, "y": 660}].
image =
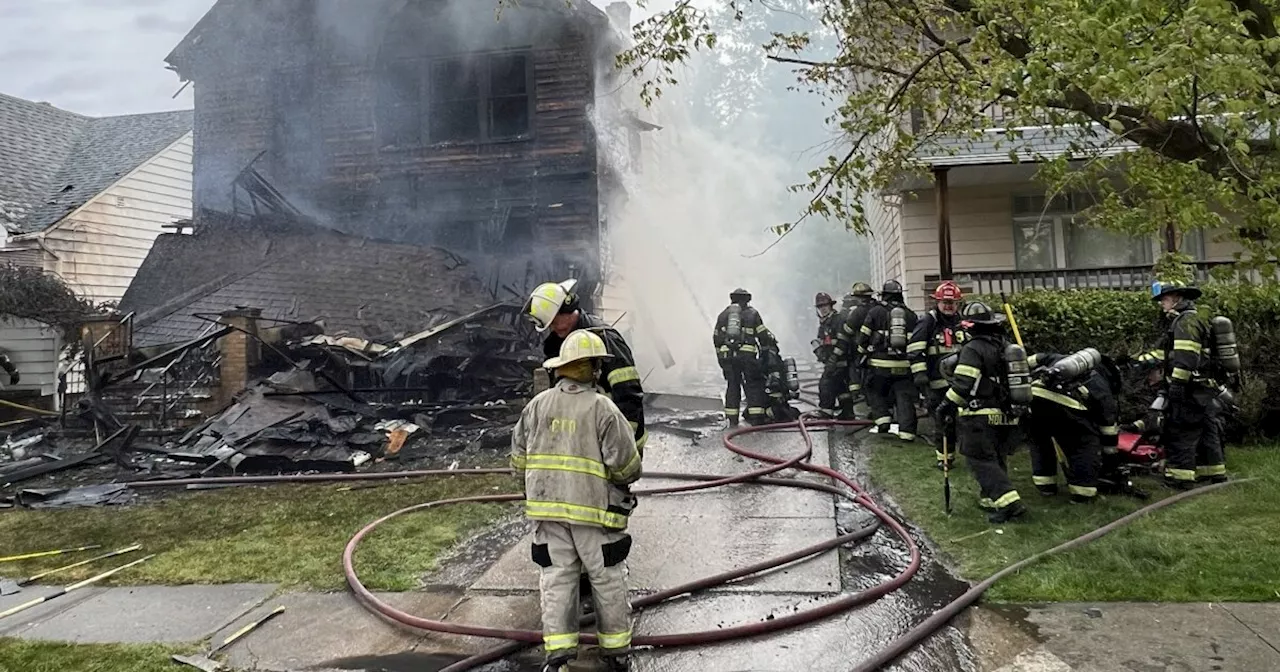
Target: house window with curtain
[{"x": 1050, "y": 235}]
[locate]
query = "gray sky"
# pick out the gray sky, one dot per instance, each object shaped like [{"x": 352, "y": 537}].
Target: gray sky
[
  {"x": 103, "y": 57},
  {"x": 95, "y": 57}
]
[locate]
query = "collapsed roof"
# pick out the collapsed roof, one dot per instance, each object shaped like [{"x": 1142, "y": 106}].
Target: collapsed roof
[{"x": 294, "y": 271}]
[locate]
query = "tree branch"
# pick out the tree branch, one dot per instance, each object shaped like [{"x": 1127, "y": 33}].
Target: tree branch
[{"x": 843, "y": 62}]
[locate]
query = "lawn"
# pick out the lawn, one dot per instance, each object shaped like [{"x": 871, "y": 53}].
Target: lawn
[
  {"x": 1219, "y": 546},
  {"x": 22, "y": 656},
  {"x": 287, "y": 534}
]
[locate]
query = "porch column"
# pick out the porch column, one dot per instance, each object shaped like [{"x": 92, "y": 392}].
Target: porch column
[{"x": 944, "y": 223}]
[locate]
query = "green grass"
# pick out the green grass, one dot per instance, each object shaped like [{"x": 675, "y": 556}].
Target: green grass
[
  {"x": 22, "y": 656},
  {"x": 287, "y": 534},
  {"x": 1219, "y": 546}
]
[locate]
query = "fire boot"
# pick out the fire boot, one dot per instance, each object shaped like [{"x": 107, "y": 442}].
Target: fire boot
[
  {"x": 617, "y": 663},
  {"x": 1048, "y": 490},
  {"x": 557, "y": 664},
  {"x": 1007, "y": 513}
]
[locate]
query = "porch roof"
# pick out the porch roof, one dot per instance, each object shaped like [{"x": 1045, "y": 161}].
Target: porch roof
[{"x": 1030, "y": 144}]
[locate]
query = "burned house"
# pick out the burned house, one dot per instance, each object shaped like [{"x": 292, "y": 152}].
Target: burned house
[{"x": 414, "y": 121}]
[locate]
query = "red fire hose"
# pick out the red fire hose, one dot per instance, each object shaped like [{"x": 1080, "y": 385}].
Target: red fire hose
[{"x": 521, "y": 638}]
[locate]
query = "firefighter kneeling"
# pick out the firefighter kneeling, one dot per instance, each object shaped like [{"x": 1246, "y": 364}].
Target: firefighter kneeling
[
  {"x": 577, "y": 454},
  {"x": 1074, "y": 410},
  {"x": 991, "y": 391}
]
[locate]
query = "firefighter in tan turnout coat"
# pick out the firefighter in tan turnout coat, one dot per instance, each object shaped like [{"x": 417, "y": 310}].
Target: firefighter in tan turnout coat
[{"x": 577, "y": 454}]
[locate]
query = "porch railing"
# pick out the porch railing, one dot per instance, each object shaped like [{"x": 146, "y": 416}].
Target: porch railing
[{"x": 1113, "y": 277}]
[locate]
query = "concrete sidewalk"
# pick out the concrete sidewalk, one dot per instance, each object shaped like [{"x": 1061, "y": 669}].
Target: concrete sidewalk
[{"x": 679, "y": 538}]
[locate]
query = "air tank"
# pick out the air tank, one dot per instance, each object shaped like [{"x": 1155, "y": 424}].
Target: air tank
[
  {"x": 733, "y": 326},
  {"x": 898, "y": 328},
  {"x": 1225, "y": 352},
  {"x": 947, "y": 365},
  {"x": 1077, "y": 364},
  {"x": 1019, "y": 374},
  {"x": 793, "y": 376}
]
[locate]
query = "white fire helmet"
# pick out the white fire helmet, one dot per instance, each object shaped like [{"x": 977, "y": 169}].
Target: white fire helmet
[
  {"x": 546, "y": 300},
  {"x": 581, "y": 344}
]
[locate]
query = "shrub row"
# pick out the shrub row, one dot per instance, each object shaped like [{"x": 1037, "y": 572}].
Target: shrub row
[{"x": 1121, "y": 323}]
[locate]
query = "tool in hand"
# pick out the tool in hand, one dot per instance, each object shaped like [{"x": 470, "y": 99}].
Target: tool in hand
[
  {"x": 946, "y": 474},
  {"x": 45, "y": 554},
  {"x": 63, "y": 591},
  {"x": 8, "y": 587},
  {"x": 206, "y": 662}
]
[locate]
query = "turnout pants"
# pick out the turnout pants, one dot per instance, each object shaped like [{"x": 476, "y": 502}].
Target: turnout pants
[
  {"x": 1192, "y": 439},
  {"x": 858, "y": 406},
  {"x": 892, "y": 396},
  {"x": 933, "y": 398},
  {"x": 1079, "y": 439},
  {"x": 986, "y": 441},
  {"x": 563, "y": 551},
  {"x": 833, "y": 389},
  {"x": 743, "y": 374}
]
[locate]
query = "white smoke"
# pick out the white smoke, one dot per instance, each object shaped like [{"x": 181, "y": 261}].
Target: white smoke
[{"x": 701, "y": 199}]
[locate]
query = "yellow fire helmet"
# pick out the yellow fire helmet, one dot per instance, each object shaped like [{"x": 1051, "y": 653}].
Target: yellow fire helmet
[
  {"x": 579, "y": 345},
  {"x": 545, "y": 302}
]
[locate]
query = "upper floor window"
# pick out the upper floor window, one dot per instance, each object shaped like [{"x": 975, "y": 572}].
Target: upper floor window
[{"x": 484, "y": 97}]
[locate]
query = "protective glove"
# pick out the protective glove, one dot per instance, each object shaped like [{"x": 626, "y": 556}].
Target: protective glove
[
  {"x": 921, "y": 380},
  {"x": 1109, "y": 440},
  {"x": 14, "y": 377},
  {"x": 946, "y": 413}
]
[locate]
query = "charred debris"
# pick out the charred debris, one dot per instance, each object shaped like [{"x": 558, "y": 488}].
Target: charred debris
[{"x": 311, "y": 402}]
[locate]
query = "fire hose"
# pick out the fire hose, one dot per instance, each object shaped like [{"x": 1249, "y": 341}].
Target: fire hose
[{"x": 520, "y": 639}]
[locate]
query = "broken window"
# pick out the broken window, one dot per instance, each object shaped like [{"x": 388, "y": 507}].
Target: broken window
[
  {"x": 455, "y": 100},
  {"x": 509, "y": 102},
  {"x": 399, "y": 92},
  {"x": 517, "y": 238}
]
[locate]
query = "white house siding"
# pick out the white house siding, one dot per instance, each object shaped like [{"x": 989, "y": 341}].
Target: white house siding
[
  {"x": 981, "y": 234},
  {"x": 101, "y": 245},
  {"x": 884, "y": 215},
  {"x": 33, "y": 347}
]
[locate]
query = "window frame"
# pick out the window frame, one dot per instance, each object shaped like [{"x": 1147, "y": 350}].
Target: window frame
[
  {"x": 485, "y": 100},
  {"x": 1061, "y": 218}
]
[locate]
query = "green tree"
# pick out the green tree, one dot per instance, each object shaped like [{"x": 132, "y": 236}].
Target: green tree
[{"x": 1187, "y": 87}]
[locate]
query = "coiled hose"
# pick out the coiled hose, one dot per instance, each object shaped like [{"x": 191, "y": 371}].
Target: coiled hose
[{"x": 520, "y": 639}]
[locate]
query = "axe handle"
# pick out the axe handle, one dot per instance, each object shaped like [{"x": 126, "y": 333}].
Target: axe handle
[{"x": 235, "y": 636}]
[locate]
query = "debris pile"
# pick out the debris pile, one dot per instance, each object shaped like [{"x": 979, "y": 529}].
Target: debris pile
[{"x": 319, "y": 403}]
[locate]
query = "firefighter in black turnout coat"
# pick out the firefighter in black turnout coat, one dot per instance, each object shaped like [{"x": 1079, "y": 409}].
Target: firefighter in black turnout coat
[
  {"x": 554, "y": 310},
  {"x": 739, "y": 338},
  {"x": 1074, "y": 406},
  {"x": 861, "y": 304},
  {"x": 884, "y": 336},
  {"x": 937, "y": 335},
  {"x": 1194, "y": 361},
  {"x": 833, "y": 388},
  {"x": 991, "y": 390}
]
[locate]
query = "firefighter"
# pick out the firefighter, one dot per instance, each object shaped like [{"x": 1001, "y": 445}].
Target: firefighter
[
  {"x": 577, "y": 455},
  {"x": 981, "y": 403},
  {"x": 1074, "y": 408},
  {"x": 885, "y": 335},
  {"x": 739, "y": 337},
  {"x": 1191, "y": 432},
  {"x": 555, "y": 307},
  {"x": 780, "y": 377},
  {"x": 936, "y": 335},
  {"x": 9, "y": 368},
  {"x": 863, "y": 302},
  {"x": 833, "y": 388}
]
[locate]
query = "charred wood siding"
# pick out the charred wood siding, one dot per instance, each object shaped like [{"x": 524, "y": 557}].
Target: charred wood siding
[{"x": 411, "y": 194}]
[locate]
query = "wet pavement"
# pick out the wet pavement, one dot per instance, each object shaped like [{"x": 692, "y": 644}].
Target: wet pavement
[{"x": 489, "y": 581}]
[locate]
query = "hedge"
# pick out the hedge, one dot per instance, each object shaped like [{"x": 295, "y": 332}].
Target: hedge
[{"x": 1126, "y": 323}]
